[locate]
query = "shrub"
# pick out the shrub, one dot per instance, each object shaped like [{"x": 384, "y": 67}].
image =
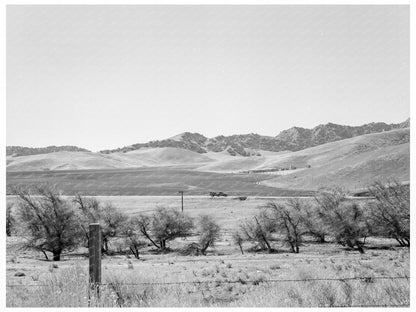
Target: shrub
[
  {"x": 90, "y": 211},
  {"x": 287, "y": 220},
  {"x": 132, "y": 237},
  {"x": 238, "y": 240},
  {"x": 258, "y": 231},
  {"x": 49, "y": 221},
  {"x": 346, "y": 220},
  {"x": 390, "y": 212},
  {"x": 9, "y": 219},
  {"x": 164, "y": 225},
  {"x": 208, "y": 231},
  {"x": 312, "y": 224}
]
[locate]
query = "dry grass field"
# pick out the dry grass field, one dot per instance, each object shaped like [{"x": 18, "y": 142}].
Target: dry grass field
[
  {"x": 224, "y": 277},
  {"x": 156, "y": 181},
  {"x": 218, "y": 279}
]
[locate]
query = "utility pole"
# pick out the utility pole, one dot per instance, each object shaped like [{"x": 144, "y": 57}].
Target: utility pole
[{"x": 181, "y": 192}]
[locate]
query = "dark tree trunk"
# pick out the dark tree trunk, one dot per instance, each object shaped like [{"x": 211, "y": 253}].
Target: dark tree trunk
[
  {"x": 269, "y": 248},
  {"x": 204, "y": 248},
  {"x": 135, "y": 252},
  {"x": 44, "y": 253},
  {"x": 144, "y": 232},
  {"x": 241, "y": 249},
  {"x": 163, "y": 244},
  {"x": 8, "y": 229},
  {"x": 360, "y": 249},
  {"x": 57, "y": 255}
]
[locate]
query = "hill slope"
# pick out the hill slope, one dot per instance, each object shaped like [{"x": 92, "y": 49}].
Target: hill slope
[
  {"x": 352, "y": 163},
  {"x": 87, "y": 160}
]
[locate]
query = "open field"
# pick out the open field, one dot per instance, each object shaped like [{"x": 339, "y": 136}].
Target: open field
[
  {"x": 151, "y": 181},
  {"x": 224, "y": 277},
  {"x": 228, "y": 212}
]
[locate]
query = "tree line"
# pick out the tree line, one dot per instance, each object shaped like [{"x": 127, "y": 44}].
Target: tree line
[
  {"x": 51, "y": 223},
  {"x": 331, "y": 216}
]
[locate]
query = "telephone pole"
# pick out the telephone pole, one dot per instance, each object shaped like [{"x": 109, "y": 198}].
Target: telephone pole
[{"x": 181, "y": 192}]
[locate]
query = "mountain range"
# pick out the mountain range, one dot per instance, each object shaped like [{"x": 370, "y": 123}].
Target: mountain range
[{"x": 293, "y": 139}]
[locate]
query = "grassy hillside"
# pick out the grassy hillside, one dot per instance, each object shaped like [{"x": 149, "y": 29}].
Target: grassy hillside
[
  {"x": 353, "y": 163},
  {"x": 166, "y": 156},
  {"x": 61, "y": 161}
]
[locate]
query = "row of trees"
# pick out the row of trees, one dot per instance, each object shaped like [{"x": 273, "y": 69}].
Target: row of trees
[
  {"x": 52, "y": 223},
  {"x": 331, "y": 215}
]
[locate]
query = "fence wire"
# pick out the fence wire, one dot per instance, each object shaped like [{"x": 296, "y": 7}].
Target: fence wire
[{"x": 367, "y": 279}]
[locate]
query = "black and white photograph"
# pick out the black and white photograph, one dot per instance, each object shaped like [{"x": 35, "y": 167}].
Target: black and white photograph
[{"x": 204, "y": 155}]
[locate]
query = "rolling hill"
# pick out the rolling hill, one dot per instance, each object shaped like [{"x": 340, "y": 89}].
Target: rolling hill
[
  {"x": 167, "y": 156},
  {"x": 353, "y": 163}
]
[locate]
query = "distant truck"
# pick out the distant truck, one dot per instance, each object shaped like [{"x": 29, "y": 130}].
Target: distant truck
[{"x": 219, "y": 194}]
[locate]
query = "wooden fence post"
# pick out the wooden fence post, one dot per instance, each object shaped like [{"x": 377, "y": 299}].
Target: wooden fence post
[{"x": 94, "y": 246}]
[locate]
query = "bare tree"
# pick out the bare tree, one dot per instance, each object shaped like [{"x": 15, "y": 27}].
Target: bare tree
[
  {"x": 49, "y": 221},
  {"x": 390, "y": 212},
  {"x": 287, "y": 221},
  {"x": 88, "y": 212},
  {"x": 144, "y": 225},
  {"x": 257, "y": 231},
  {"x": 312, "y": 224}
]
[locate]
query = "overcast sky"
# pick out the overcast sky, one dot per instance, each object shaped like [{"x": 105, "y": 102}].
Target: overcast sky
[{"x": 108, "y": 76}]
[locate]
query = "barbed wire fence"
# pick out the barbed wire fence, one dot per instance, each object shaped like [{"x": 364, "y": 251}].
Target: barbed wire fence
[{"x": 95, "y": 282}]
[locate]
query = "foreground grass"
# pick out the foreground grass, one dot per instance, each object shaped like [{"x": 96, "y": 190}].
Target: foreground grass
[{"x": 152, "y": 282}]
